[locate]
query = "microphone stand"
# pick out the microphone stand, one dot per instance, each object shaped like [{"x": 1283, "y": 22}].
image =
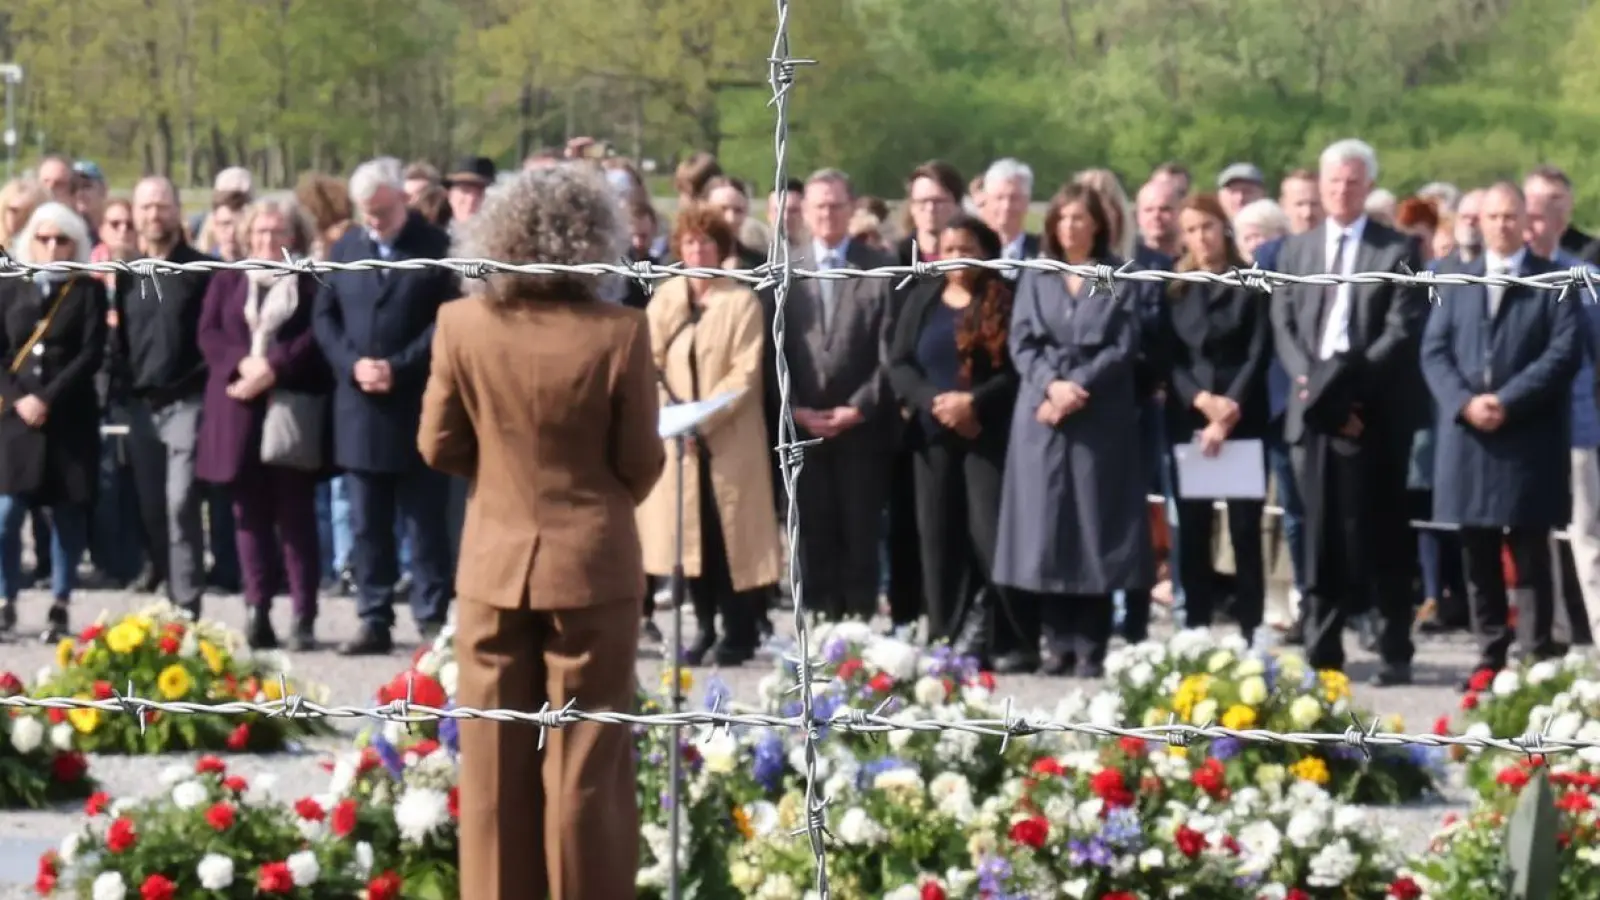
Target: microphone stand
[{"x": 679, "y": 590}]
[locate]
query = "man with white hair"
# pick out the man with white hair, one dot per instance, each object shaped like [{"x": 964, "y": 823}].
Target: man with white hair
[
  {"x": 376, "y": 329},
  {"x": 1356, "y": 399},
  {"x": 1007, "y": 191}
]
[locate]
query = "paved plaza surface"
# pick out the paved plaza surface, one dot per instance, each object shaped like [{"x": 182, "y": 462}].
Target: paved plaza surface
[{"x": 1441, "y": 664}]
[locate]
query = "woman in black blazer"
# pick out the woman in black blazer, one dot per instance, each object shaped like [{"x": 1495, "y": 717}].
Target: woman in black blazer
[
  {"x": 52, "y": 341},
  {"x": 1218, "y": 341},
  {"x": 949, "y": 364}
]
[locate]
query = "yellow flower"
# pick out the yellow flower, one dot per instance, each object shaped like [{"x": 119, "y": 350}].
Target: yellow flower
[
  {"x": 1291, "y": 669},
  {"x": 1179, "y": 751},
  {"x": 685, "y": 680},
  {"x": 1335, "y": 685},
  {"x": 1239, "y": 717},
  {"x": 125, "y": 636},
  {"x": 64, "y": 652},
  {"x": 1253, "y": 690},
  {"x": 741, "y": 821},
  {"x": 1305, "y": 711},
  {"x": 174, "y": 682},
  {"x": 273, "y": 689},
  {"x": 215, "y": 661},
  {"x": 1311, "y": 769},
  {"x": 1190, "y": 692},
  {"x": 85, "y": 720}
]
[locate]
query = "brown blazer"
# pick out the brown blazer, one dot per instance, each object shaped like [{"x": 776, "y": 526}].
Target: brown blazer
[{"x": 549, "y": 407}]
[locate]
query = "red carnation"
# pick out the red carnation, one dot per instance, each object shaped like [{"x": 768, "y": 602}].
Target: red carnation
[
  {"x": 1574, "y": 802},
  {"x": 1119, "y": 895},
  {"x": 1481, "y": 680},
  {"x": 49, "y": 863},
  {"x": 158, "y": 887},
  {"x": 848, "y": 669},
  {"x": 1031, "y": 832},
  {"x": 1296, "y": 894},
  {"x": 1189, "y": 841},
  {"x": 986, "y": 681},
  {"x": 1131, "y": 745},
  {"x": 97, "y": 803},
  {"x": 168, "y": 645},
  {"x": 220, "y": 816},
  {"x": 309, "y": 809},
  {"x": 453, "y": 802},
  {"x": 384, "y": 887},
  {"x": 1109, "y": 786},
  {"x": 90, "y": 633},
  {"x": 369, "y": 761},
  {"x": 1210, "y": 777},
  {"x": 210, "y": 765},
  {"x": 239, "y": 738},
  {"x": 1405, "y": 888},
  {"x": 1048, "y": 765},
  {"x": 882, "y": 683},
  {"x": 344, "y": 818},
  {"x": 1469, "y": 701},
  {"x": 103, "y": 690},
  {"x": 274, "y": 878},
  {"x": 932, "y": 891},
  {"x": 44, "y": 884},
  {"x": 56, "y": 716},
  {"x": 9, "y": 684},
  {"x": 121, "y": 837},
  {"x": 1513, "y": 777},
  {"x": 424, "y": 691},
  {"x": 1442, "y": 725},
  {"x": 69, "y": 768},
  {"x": 425, "y": 747},
  {"x": 235, "y": 783}
]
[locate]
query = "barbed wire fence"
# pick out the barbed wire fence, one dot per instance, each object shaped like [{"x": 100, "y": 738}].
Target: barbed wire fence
[{"x": 778, "y": 275}]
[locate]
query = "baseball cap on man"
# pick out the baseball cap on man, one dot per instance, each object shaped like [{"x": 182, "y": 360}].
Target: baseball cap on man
[
  {"x": 1240, "y": 172},
  {"x": 89, "y": 170},
  {"x": 479, "y": 170}
]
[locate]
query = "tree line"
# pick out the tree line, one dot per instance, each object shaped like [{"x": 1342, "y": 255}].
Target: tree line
[{"x": 1465, "y": 90}]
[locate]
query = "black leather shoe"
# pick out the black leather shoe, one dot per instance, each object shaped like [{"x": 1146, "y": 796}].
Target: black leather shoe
[
  {"x": 8, "y": 615},
  {"x": 1059, "y": 664},
  {"x": 371, "y": 640},
  {"x": 260, "y": 635},
  {"x": 1392, "y": 676},
  {"x": 732, "y": 657},
  {"x": 57, "y": 626},
  {"x": 303, "y": 637},
  {"x": 149, "y": 580}
]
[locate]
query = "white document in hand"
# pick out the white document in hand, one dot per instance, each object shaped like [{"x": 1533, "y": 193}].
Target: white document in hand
[
  {"x": 683, "y": 418},
  {"x": 1238, "y": 472}
]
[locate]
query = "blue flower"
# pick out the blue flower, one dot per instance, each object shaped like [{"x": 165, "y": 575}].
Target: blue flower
[
  {"x": 718, "y": 694},
  {"x": 770, "y": 760},
  {"x": 993, "y": 871},
  {"x": 1094, "y": 852},
  {"x": 1226, "y": 748},
  {"x": 1121, "y": 829},
  {"x": 871, "y": 769},
  {"x": 389, "y": 756},
  {"x": 450, "y": 732},
  {"x": 835, "y": 650}
]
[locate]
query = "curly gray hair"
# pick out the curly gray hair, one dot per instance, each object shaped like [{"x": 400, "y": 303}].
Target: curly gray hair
[{"x": 562, "y": 215}]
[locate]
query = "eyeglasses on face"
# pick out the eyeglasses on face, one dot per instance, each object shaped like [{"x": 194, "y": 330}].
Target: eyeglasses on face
[{"x": 52, "y": 240}]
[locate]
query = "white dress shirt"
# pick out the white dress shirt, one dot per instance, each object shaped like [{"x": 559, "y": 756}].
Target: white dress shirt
[
  {"x": 1336, "y": 332},
  {"x": 1495, "y": 264}
]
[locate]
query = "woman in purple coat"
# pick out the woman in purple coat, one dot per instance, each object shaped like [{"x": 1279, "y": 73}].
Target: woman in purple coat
[{"x": 255, "y": 332}]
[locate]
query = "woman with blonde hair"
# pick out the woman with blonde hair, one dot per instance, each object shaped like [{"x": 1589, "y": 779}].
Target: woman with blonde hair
[
  {"x": 707, "y": 339},
  {"x": 52, "y": 341},
  {"x": 545, "y": 397}
]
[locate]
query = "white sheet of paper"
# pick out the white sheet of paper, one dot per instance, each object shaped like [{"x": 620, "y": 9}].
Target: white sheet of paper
[
  {"x": 682, "y": 418},
  {"x": 1239, "y": 472}
]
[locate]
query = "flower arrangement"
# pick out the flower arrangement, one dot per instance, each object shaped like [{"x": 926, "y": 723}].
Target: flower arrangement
[
  {"x": 167, "y": 656},
  {"x": 214, "y": 834},
  {"x": 1559, "y": 697},
  {"x": 38, "y": 764},
  {"x": 1465, "y": 860},
  {"x": 1196, "y": 679}
]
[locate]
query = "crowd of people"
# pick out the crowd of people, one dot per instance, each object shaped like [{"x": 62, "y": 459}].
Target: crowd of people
[{"x": 990, "y": 441}]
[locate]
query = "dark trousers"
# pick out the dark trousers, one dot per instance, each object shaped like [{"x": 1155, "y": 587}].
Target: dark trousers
[
  {"x": 713, "y": 592},
  {"x": 276, "y": 513},
  {"x": 220, "y": 530},
  {"x": 1488, "y": 598},
  {"x": 957, "y": 497},
  {"x": 147, "y": 462},
  {"x": 1439, "y": 560},
  {"x": 1202, "y": 587},
  {"x": 842, "y": 489},
  {"x": 417, "y": 499},
  {"x": 906, "y": 591},
  {"x": 1569, "y": 594},
  {"x": 1075, "y": 627},
  {"x": 1359, "y": 551}
]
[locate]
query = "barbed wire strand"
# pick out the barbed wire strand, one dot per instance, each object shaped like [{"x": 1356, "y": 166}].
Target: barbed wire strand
[
  {"x": 848, "y": 720},
  {"x": 777, "y": 271},
  {"x": 781, "y": 68}
]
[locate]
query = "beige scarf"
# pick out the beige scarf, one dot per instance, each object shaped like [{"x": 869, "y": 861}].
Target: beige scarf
[{"x": 270, "y": 301}]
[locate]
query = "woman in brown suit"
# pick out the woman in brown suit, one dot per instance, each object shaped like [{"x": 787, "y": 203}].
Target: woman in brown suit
[
  {"x": 544, "y": 398},
  {"x": 706, "y": 337}
]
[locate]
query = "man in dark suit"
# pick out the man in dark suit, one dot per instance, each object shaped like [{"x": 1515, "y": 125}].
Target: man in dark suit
[
  {"x": 1500, "y": 363},
  {"x": 1007, "y": 192},
  {"x": 837, "y": 344},
  {"x": 376, "y": 329},
  {"x": 1356, "y": 398}
]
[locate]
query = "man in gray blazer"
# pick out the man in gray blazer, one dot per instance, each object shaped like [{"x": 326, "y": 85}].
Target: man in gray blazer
[
  {"x": 1357, "y": 397},
  {"x": 836, "y": 343}
]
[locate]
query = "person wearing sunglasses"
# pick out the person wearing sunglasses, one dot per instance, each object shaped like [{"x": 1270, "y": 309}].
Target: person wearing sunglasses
[{"x": 52, "y": 341}]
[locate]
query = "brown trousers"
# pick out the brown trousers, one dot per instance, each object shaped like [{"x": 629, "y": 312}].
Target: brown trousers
[{"x": 561, "y": 823}]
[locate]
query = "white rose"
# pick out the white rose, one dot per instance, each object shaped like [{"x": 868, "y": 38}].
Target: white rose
[
  {"x": 897, "y": 658},
  {"x": 1152, "y": 858},
  {"x": 904, "y": 892},
  {"x": 215, "y": 871},
  {"x": 188, "y": 795},
  {"x": 26, "y": 734},
  {"x": 720, "y": 750},
  {"x": 110, "y": 886},
  {"x": 1506, "y": 682},
  {"x": 1543, "y": 670},
  {"x": 928, "y": 691},
  {"x": 449, "y": 678},
  {"x": 261, "y": 790},
  {"x": 1140, "y": 674},
  {"x": 857, "y": 827},
  {"x": 363, "y": 860},
  {"x": 304, "y": 868},
  {"x": 61, "y": 736},
  {"x": 1077, "y": 888}
]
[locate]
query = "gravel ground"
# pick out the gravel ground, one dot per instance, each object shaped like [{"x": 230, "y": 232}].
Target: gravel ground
[{"x": 1439, "y": 666}]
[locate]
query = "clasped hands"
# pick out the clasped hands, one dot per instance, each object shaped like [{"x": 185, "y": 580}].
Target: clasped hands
[
  {"x": 828, "y": 423},
  {"x": 255, "y": 378},
  {"x": 374, "y": 376},
  {"x": 1061, "y": 399},
  {"x": 1352, "y": 425},
  {"x": 32, "y": 410},
  {"x": 1484, "y": 412},
  {"x": 1222, "y": 415}
]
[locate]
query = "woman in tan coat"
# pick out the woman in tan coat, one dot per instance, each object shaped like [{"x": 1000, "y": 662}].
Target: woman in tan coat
[{"x": 706, "y": 336}]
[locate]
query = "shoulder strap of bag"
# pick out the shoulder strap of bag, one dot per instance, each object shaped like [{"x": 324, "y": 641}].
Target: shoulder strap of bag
[{"x": 43, "y": 326}]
